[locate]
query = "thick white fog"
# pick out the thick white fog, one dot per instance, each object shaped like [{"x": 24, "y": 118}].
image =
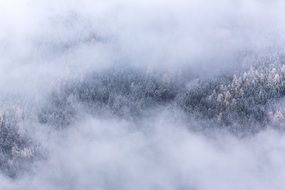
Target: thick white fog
[{"x": 145, "y": 94}]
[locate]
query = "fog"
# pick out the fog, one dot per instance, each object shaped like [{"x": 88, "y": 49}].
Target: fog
[{"x": 123, "y": 94}]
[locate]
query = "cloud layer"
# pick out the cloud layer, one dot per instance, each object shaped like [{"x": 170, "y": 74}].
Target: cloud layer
[{"x": 138, "y": 52}]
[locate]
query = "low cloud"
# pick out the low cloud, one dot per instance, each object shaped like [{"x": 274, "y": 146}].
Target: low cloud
[{"x": 94, "y": 91}]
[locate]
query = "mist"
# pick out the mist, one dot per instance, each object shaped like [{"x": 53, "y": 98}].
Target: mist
[{"x": 142, "y": 94}]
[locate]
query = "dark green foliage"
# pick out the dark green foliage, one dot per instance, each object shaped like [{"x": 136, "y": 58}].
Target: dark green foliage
[
  {"x": 127, "y": 93},
  {"x": 16, "y": 148}
]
